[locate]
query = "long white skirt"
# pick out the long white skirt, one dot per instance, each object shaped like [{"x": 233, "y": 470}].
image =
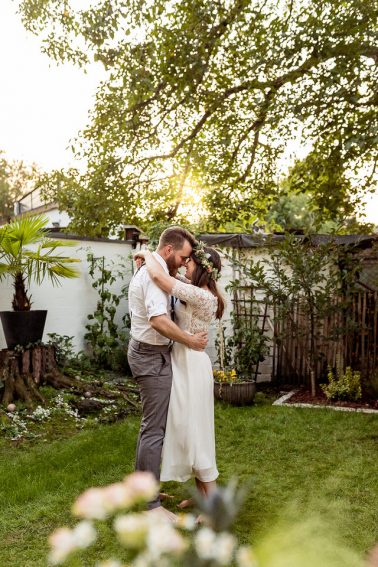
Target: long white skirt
[{"x": 189, "y": 443}]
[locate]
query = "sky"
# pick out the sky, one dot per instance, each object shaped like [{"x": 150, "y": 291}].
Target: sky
[{"x": 43, "y": 105}]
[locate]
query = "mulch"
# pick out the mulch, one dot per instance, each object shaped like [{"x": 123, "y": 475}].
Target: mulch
[{"x": 304, "y": 397}]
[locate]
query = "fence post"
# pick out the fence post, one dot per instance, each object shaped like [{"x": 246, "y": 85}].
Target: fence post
[{"x": 313, "y": 383}]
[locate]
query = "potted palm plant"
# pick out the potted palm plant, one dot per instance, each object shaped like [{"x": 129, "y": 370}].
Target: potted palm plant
[{"x": 27, "y": 255}]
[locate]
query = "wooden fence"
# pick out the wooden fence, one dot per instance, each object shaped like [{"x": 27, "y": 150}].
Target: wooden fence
[{"x": 346, "y": 337}]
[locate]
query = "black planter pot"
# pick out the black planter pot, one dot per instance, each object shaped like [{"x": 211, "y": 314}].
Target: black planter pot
[{"x": 23, "y": 327}]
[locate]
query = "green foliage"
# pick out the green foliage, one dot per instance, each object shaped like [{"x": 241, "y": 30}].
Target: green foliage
[
  {"x": 370, "y": 385},
  {"x": 248, "y": 344},
  {"x": 103, "y": 335},
  {"x": 317, "y": 196},
  {"x": 322, "y": 176},
  {"x": 26, "y": 255},
  {"x": 208, "y": 94},
  {"x": 64, "y": 350},
  {"x": 343, "y": 385},
  {"x": 291, "y": 212},
  {"x": 16, "y": 179}
]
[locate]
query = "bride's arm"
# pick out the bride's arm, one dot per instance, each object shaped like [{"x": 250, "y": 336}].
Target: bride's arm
[
  {"x": 157, "y": 273},
  {"x": 182, "y": 279}
]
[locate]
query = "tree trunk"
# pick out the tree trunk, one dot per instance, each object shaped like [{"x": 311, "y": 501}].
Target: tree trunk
[
  {"x": 21, "y": 374},
  {"x": 21, "y": 301}
]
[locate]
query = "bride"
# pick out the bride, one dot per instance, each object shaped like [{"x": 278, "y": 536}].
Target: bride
[{"x": 189, "y": 443}]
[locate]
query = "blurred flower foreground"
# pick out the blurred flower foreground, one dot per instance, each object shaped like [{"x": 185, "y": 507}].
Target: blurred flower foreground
[
  {"x": 151, "y": 539},
  {"x": 113, "y": 526}
]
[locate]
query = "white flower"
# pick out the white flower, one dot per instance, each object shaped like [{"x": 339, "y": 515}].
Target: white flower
[
  {"x": 109, "y": 563},
  {"x": 245, "y": 557},
  {"x": 142, "y": 485},
  {"x": 186, "y": 522},
  {"x": 212, "y": 546},
  {"x": 117, "y": 496},
  {"x": 64, "y": 541},
  {"x": 40, "y": 413},
  {"x": 143, "y": 560},
  {"x": 91, "y": 505},
  {"x": 85, "y": 534},
  {"x": 204, "y": 543},
  {"x": 163, "y": 538},
  {"x": 223, "y": 548},
  {"x": 132, "y": 530}
]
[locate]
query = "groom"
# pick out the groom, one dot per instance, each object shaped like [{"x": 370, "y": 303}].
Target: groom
[{"x": 152, "y": 334}]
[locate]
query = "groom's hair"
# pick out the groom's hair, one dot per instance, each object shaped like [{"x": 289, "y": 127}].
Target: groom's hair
[{"x": 176, "y": 236}]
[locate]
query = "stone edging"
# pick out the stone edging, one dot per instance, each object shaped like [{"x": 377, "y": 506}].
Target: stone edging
[{"x": 282, "y": 401}]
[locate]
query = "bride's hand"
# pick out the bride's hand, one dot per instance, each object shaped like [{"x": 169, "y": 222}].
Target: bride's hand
[{"x": 139, "y": 258}]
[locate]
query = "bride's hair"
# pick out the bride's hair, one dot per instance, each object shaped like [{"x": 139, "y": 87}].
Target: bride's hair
[{"x": 202, "y": 277}]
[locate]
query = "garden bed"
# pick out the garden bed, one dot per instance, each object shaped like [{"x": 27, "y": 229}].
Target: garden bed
[
  {"x": 304, "y": 397},
  {"x": 106, "y": 397}
]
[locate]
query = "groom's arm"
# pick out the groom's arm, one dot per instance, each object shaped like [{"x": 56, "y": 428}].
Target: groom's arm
[{"x": 166, "y": 327}]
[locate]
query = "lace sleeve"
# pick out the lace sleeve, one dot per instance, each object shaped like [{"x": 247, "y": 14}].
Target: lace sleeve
[
  {"x": 194, "y": 295},
  {"x": 181, "y": 278}
]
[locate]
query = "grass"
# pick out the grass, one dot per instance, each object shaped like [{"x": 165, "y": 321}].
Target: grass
[{"x": 307, "y": 470}]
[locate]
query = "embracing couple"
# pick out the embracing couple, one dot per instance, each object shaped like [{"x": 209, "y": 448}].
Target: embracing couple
[{"x": 170, "y": 318}]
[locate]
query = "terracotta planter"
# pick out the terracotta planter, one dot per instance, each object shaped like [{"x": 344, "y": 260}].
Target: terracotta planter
[
  {"x": 238, "y": 393},
  {"x": 23, "y": 327}
]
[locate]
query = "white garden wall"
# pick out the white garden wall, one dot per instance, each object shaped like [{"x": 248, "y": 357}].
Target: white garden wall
[{"x": 69, "y": 304}]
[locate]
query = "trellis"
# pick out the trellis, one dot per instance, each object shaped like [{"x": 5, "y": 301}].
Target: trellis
[{"x": 246, "y": 305}]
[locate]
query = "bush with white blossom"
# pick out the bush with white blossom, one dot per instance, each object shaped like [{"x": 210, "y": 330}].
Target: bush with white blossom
[
  {"x": 18, "y": 422},
  {"x": 151, "y": 539}
]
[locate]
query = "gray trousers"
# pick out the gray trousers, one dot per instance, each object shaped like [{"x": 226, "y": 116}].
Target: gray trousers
[{"x": 151, "y": 367}]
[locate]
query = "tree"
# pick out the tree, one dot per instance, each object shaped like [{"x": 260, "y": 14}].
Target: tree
[
  {"x": 16, "y": 179},
  {"x": 209, "y": 93},
  {"x": 317, "y": 196},
  {"x": 292, "y": 212}
]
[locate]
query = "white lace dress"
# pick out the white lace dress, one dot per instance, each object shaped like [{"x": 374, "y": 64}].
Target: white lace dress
[{"x": 189, "y": 443}]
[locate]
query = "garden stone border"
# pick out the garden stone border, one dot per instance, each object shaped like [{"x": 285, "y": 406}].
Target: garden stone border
[{"x": 282, "y": 401}]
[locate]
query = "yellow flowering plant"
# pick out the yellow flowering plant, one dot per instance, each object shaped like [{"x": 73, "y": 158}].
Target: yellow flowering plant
[{"x": 225, "y": 376}]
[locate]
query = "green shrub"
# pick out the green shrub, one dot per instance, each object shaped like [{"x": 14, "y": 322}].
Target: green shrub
[
  {"x": 343, "y": 385},
  {"x": 370, "y": 385},
  {"x": 63, "y": 347}
]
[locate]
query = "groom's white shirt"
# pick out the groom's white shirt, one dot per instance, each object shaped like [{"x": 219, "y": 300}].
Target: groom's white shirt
[{"x": 147, "y": 300}]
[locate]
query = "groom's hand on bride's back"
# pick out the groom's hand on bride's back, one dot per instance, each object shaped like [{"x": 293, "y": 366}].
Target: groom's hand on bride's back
[{"x": 198, "y": 341}]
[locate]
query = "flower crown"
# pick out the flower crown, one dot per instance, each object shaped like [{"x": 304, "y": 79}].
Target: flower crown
[{"x": 204, "y": 258}]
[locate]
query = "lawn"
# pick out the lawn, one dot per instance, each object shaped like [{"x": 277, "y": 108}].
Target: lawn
[{"x": 308, "y": 471}]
